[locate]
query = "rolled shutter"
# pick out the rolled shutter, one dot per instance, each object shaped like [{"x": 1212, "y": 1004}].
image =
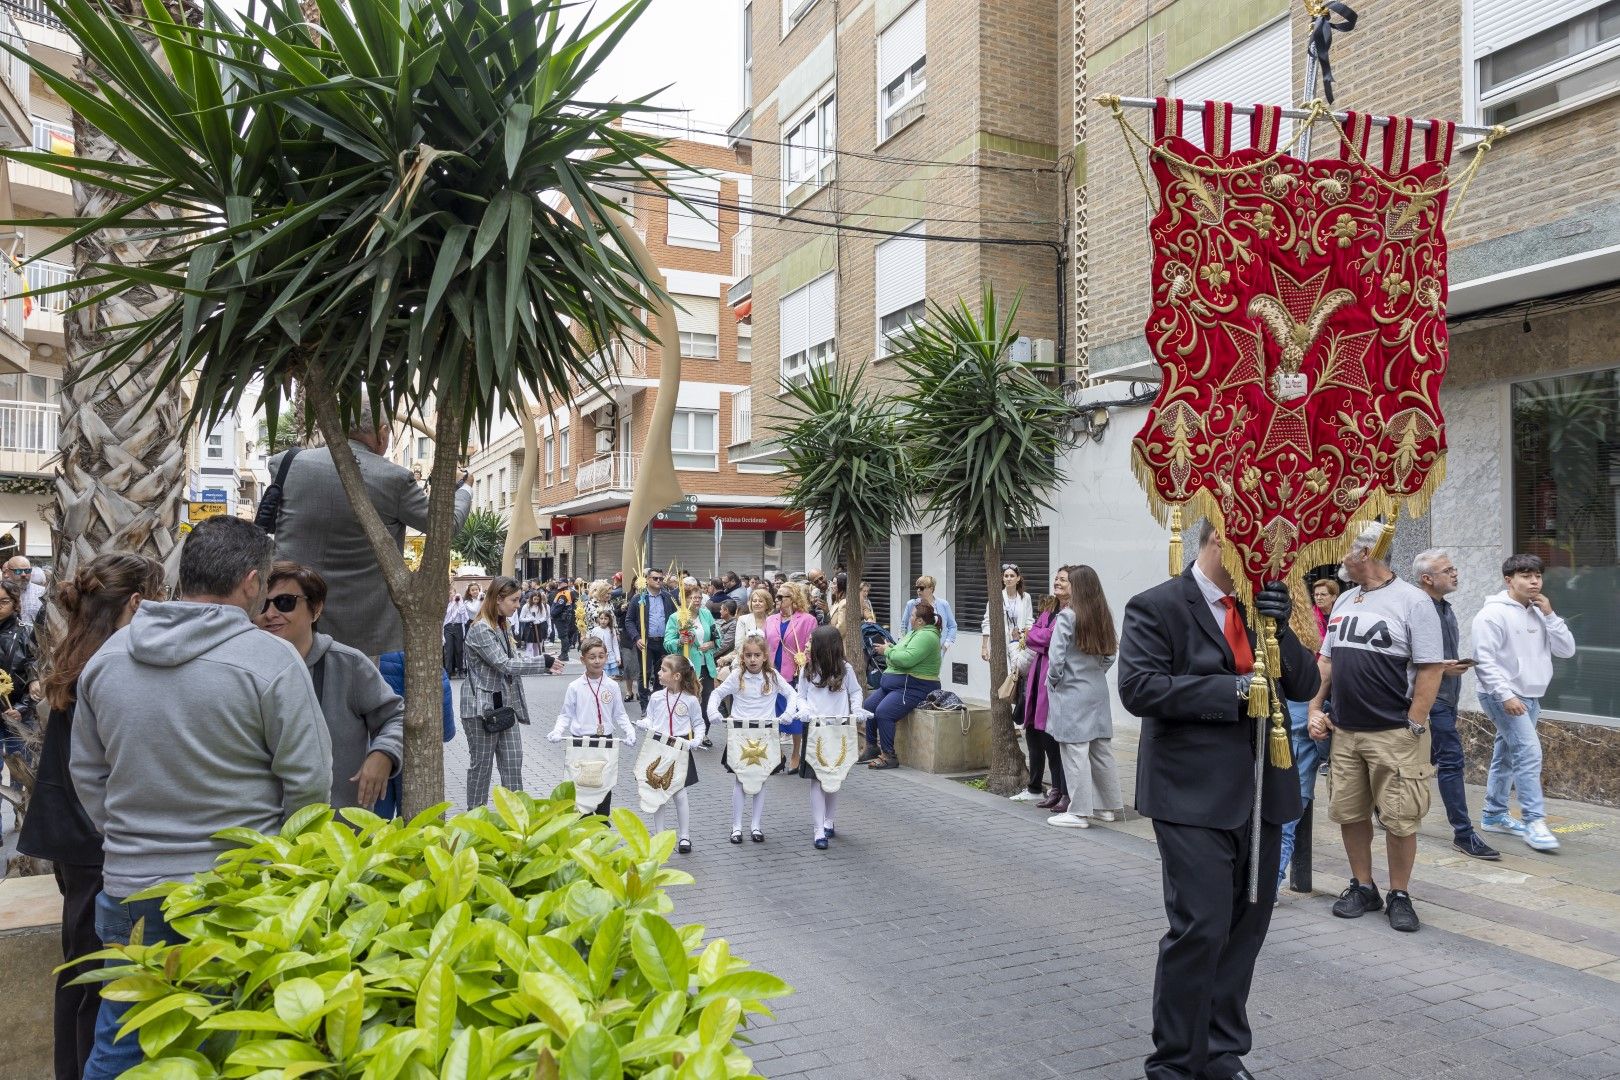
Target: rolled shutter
[
  {"x": 697, "y": 314},
  {"x": 901, "y": 271},
  {"x": 1499, "y": 23},
  {"x": 902, "y": 43},
  {"x": 795, "y": 322},
  {"x": 699, "y": 225},
  {"x": 690, "y": 549},
  {"x": 823, "y": 309},
  {"x": 1257, "y": 70}
]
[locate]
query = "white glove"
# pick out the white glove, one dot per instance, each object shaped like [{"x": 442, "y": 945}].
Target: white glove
[
  {"x": 629, "y": 740},
  {"x": 554, "y": 737}
]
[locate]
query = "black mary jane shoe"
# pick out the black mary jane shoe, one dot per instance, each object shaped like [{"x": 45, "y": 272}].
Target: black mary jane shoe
[
  {"x": 736, "y": 838},
  {"x": 757, "y": 836},
  {"x": 684, "y": 847},
  {"x": 821, "y": 843}
]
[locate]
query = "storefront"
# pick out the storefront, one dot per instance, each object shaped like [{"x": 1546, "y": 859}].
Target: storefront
[{"x": 749, "y": 540}]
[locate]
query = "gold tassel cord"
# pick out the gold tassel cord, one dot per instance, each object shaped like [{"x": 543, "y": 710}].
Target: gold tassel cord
[
  {"x": 1281, "y": 748},
  {"x": 1176, "y": 553},
  {"x": 1260, "y": 685}
]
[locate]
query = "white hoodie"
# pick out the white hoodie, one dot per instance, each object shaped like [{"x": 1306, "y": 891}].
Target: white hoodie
[{"x": 1515, "y": 644}]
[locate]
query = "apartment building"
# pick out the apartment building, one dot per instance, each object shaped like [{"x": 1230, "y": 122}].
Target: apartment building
[
  {"x": 591, "y": 445},
  {"x": 903, "y": 151},
  {"x": 1532, "y": 397},
  {"x": 31, "y": 332}
]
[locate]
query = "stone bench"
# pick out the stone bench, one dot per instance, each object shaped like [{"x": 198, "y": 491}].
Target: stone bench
[
  {"x": 932, "y": 740},
  {"x": 30, "y": 951}
]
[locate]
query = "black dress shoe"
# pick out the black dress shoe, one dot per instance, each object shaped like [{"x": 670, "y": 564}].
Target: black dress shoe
[{"x": 1476, "y": 848}]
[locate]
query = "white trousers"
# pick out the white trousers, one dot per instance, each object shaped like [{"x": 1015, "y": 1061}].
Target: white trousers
[{"x": 1092, "y": 775}]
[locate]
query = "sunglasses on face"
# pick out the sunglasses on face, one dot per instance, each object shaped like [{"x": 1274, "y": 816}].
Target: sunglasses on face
[
  {"x": 20, "y": 571},
  {"x": 285, "y": 603}
]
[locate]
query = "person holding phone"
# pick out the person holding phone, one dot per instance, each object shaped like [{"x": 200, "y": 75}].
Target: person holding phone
[{"x": 1437, "y": 575}]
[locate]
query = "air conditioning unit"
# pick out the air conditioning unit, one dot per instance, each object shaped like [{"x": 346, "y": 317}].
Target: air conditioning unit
[
  {"x": 1042, "y": 351},
  {"x": 604, "y": 440}
]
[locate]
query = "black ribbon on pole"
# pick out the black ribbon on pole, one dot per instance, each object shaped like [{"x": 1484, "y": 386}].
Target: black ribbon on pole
[{"x": 1322, "y": 31}]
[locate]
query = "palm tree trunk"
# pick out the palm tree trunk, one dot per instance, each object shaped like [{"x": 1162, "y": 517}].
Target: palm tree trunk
[
  {"x": 1008, "y": 772},
  {"x": 851, "y": 628}
]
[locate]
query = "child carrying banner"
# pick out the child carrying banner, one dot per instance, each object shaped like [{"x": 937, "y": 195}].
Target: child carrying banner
[
  {"x": 830, "y": 704},
  {"x": 673, "y": 715},
  {"x": 592, "y": 711},
  {"x": 760, "y": 700}
]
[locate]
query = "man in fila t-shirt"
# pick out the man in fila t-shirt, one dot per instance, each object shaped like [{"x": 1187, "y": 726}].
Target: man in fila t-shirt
[{"x": 1383, "y": 657}]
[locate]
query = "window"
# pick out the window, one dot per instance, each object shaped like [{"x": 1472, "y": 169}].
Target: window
[
  {"x": 902, "y": 70},
  {"x": 808, "y": 315},
  {"x": 694, "y": 440},
  {"x": 215, "y": 447},
  {"x": 900, "y": 275},
  {"x": 550, "y": 458},
  {"x": 745, "y": 348},
  {"x": 501, "y": 483},
  {"x": 697, "y": 225},
  {"x": 748, "y": 55},
  {"x": 1030, "y": 549},
  {"x": 562, "y": 455},
  {"x": 700, "y": 346},
  {"x": 1531, "y": 59},
  {"x": 808, "y": 160},
  {"x": 423, "y": 445},
  {"x": 1566, "y": 509},
  {"x": 1257, "y": 69},
  {"x": 793, "y": 13}
]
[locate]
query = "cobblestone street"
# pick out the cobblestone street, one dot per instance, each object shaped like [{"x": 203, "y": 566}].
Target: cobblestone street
[{"x": 949, "y": 933}]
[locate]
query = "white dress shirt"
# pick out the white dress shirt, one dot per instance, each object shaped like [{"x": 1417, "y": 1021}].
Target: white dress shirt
[{"x": 1214, "y": 596}]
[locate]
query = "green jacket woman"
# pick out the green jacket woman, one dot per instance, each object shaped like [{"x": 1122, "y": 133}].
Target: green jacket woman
[{"x": 700, "y": 650}]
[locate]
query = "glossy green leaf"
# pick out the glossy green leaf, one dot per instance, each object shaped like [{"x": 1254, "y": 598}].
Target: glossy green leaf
[
  {"x": 659, "y": 953},
  {"x": 590, "y": 1054}
]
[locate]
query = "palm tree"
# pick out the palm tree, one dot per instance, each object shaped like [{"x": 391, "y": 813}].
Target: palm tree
[
  {"x": 984, "y": 433},
  {"x": 394, "y": 207},
  {"x": 847, "y": 472},
  {"x": 482, "y": 540}
]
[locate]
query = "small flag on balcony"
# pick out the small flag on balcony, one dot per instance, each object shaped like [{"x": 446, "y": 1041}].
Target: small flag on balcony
[
  {"x": 22, "y": 286},
  {"x": 61, "y": 143}
]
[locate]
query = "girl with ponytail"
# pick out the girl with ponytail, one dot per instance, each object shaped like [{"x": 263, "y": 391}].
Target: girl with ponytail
[{"x": 96, "y": 602}]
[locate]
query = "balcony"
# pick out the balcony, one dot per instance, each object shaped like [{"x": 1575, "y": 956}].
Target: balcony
[
  {"x": 34, "y": 11},
  {"x": 28, "y": 437},
  {"x": 16, "y": 97},
  {"x": 44, "y": 322},
  {"x": 742, "y": 417},
  {"x": 36, "y": 189},
  {"x": 742, "y": 267},
  {"x": 609, "y": 472},
  {"x": 13, "y": 347}
]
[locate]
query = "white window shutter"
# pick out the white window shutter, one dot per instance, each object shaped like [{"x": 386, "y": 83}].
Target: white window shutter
[
  {"x": 697, "y": 314},
  {"x": 901, "y": 271},
  {"x": 695, "y": 227},
  {"x": 823, "y": 309},
  {"x": 795, "y": 322},
  {"x": 1496, "y": 24},
  {"x": 902, "y": 43},
  {"x": 1257, "y": 70}
]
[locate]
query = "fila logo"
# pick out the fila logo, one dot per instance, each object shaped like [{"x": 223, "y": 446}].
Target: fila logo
[{"x": 1377, "y": 635}]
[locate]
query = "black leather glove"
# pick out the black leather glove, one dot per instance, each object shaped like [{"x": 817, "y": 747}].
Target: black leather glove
[{"x": 1274, "y": 602}]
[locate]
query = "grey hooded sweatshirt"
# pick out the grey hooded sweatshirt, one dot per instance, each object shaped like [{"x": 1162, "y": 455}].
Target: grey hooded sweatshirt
[
  {"x": 363, "y": 713},
  {"x": 191, "y": 720}
]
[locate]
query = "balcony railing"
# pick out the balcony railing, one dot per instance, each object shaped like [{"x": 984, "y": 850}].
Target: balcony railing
[
  {"x": 15, "y": 67},
  {"x": 44, "y": 274},
  {"x": 742, "y": 253},
  {"x": 609, "y": 472},
  {"x": 34, "y": 11},
  {"x": 742, "y": 417},
  {"x": 28, "y": 436},
  {"x": 11, "y": 305},
  {"x": 53, "y": 137},
  {"x": 620, "y": 361}
]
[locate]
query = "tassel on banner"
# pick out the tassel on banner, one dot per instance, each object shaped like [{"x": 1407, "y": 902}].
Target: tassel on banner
[
  {"x": 1260, "y": 685},
  {"x": 1175, "y": 542},
  {"x": 1281, "y": 747}
]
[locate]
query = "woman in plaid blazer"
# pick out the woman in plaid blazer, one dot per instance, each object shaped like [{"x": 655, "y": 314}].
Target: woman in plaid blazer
[{"x": 495, "y": 670}]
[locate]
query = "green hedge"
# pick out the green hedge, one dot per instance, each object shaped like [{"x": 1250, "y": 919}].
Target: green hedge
[{"x": 526, "y": 941}]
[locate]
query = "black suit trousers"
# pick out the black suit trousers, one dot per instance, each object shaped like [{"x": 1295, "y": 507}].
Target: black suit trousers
[{"x": 1206, "y": 960}]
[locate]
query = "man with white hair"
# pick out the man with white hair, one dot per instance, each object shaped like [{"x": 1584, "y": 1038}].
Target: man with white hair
[
  {"x": 1436, "y": 575},
  {"x": 1382, "y": 658}
]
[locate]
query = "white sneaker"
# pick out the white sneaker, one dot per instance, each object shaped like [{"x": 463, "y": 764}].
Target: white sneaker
[
  {"x": 1539, "y": 837},
  {"x": 1106, "y": 815},
  {"x": 1068, "y": 821},
  {"x": 1027, "y": 796}
]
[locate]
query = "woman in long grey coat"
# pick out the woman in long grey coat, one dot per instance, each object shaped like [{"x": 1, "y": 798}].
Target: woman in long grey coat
[{"x": 1079, "y": 716}]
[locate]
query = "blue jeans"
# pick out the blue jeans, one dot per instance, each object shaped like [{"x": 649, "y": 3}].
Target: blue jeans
[
  {"x": 1309, "y": 758},
  {"x": 1446, "y": 755},
  {"x": 1516, "y": 760},
  {"x": 895, "y": 696},
  {"x": 115, "y": 922}
]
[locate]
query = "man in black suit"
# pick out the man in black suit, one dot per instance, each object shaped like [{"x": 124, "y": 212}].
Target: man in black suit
[{"x": 1186, "y": 672}]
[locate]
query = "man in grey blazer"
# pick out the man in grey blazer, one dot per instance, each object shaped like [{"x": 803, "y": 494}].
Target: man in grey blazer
[{"x": 317, "y": 528}]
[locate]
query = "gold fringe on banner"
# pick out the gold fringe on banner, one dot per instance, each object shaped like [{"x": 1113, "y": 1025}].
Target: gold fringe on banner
[{"x": 1177, "y": 556}]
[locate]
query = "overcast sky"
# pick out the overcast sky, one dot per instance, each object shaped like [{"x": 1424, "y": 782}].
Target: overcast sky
[{"x": 689, "y": 46}]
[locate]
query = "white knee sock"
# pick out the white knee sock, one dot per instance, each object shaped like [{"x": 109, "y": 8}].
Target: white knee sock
[
  {"x": 831, "y": 799},
  {"x": 818, "y": 809},
  {"x": 737, "y": 797},
  {"x": 681, "y": 816},
  {"x": 759, "y": 811}
]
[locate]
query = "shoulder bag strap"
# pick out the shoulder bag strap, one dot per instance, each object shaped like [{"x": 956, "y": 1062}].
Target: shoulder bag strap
[{"x": 286, "y": 463}]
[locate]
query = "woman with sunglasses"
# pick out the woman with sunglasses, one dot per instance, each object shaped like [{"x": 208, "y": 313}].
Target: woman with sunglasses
[
  {"x": 365, "y": 717},
  {"x": 1019, "y": 611},
  {"x": 942, "y": 612}
]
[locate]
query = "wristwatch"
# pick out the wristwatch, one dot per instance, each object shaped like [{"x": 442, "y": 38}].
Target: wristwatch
[{"x": 1416, "y": 729}]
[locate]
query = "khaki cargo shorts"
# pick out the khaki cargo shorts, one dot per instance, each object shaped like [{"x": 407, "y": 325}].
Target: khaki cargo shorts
[{"x": 1389, "y": 770}]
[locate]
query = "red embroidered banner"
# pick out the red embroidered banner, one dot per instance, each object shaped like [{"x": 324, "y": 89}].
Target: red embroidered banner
[{"x": 1298, "y": 316}]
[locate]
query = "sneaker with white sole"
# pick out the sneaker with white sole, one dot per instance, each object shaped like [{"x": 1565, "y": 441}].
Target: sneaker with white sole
[
  {"x": 1106, "y": 815},
  {"x": 1027, "y": 796},
  {"x": 1068, "y": 821},
  {"x": 1502, "y": 823},
  {"x": 1539, "y": 837}
]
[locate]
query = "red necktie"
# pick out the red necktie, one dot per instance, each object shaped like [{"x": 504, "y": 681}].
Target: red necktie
[{"x": 1237, "y": 637}]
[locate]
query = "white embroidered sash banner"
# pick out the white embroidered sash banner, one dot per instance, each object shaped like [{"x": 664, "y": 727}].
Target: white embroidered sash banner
[
  {"x": 592, "y": 763},
  {"x": 753, "y": 751},
  {"x": 661, "y": 769},
  {"x": 831, "y": 745}
]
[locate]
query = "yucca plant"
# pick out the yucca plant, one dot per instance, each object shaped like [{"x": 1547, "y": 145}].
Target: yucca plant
[
  {"x": 482, "y": 540},
  {"x": 847, "y": 471},
  {"x": 984, "y": 432},
  {"x": 392, "y": 203},
  {"x": 507, "y": 944}
]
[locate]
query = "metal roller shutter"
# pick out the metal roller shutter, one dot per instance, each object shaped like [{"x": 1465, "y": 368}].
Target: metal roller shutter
[
  {"x": 697, "y": 314},
  {"x": 1499, "y": 23},
  {"x": 901, "y": 43},
  {"x": 875, "y": 573},
  {"x": 742, "y": 550},
  {"x": 1257, "y": 70},
  {"x": 690, "y": 549},
  {"x": 901, "y": 271},
  {"x": 823, "y": 309},
  {"x": 786, "y": 554},
  {"x": 1030, "y": 549}
]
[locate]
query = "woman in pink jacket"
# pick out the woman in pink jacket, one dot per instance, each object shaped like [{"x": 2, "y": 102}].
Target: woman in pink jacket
[
  {"x": 787, "y": 643},
  {"x": 1043, "y": 749}
]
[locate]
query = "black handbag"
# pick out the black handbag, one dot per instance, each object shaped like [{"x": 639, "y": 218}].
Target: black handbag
[{"x": 499, "y": 718}]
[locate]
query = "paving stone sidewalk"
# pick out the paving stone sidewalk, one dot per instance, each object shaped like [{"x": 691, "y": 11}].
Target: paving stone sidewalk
[{"x": 951, "y": 934}]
